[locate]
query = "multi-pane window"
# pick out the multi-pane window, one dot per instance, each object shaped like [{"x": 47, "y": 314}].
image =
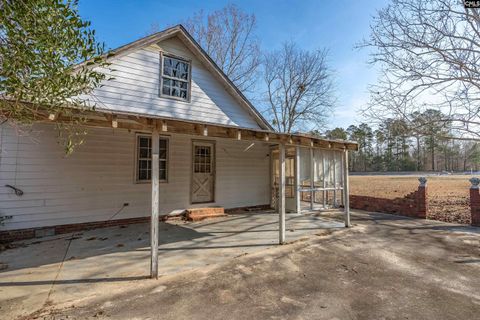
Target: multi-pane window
[
  {"x": 203, "y": 161},
  {"x": 144, "y": 158},
  {"x": 175, "y": 77}
]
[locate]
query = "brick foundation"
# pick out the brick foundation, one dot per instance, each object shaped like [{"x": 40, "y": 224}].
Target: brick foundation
[
  {"x": 198, "y": 214},
  {"x": 24, "y": 234},
  {"x": 475, "y": 206},
  {"x": 414, "y": 204}
]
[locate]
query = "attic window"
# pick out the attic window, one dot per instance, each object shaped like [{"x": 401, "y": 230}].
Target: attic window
[{"x": 175, "y": 80}]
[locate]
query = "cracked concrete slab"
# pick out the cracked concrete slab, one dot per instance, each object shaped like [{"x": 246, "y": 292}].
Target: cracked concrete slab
[{"x": 105, "y": 259}]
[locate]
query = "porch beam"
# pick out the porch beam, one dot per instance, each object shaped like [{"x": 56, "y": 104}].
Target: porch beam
[
  {"x": 281, "y": 196},
  {"x": 144, "y": 122},
  {"x": 346, "y": 194},
  {"x": 141, "y": 121},
  {"x": 155, "y": 204}
]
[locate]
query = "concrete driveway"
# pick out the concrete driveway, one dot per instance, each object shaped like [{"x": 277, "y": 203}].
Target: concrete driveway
[
  {"x": 70, "y": 268},
  {"x": 385, "y": 267}
]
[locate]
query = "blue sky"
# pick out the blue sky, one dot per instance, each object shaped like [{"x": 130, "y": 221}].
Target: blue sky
[{"x": 336, "y": 25}]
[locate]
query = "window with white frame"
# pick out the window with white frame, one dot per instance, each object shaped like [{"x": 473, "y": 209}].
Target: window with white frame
[
  {"x": 175, "y": 79},
  {"x": 144, "y": 158}
]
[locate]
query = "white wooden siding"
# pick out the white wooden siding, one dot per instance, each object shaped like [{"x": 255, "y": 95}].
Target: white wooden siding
[
  {"x": 135, "y": 88},
  {"x": 95, "y": 182}
]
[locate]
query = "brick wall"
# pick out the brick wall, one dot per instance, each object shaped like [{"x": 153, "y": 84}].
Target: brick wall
[
  {"x": 23, "y": 234},
  {"x": 412, "y": 205},
  {"x": 475, "y": 206}
]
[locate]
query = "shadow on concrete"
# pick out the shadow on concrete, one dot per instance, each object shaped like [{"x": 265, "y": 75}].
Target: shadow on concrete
[
  {"x": 468, "y": 261},
  {"x": 91, "y": 243},
  {"x": 223, "y": 233},
  {"x": 71, "y": 281}
]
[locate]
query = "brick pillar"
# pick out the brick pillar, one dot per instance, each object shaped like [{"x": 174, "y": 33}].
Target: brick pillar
[
  {"x": 421, "y": 199},
  {"x": 475, "y": 202}
]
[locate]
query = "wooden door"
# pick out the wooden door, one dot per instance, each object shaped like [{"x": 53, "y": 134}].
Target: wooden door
[{"x": 203, "y": 172}]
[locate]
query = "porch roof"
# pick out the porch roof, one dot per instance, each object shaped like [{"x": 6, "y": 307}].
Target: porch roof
[{"x": 141, "y": 122}]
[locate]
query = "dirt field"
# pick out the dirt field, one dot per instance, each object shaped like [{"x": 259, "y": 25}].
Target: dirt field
[{"x": 448, "y": 195}]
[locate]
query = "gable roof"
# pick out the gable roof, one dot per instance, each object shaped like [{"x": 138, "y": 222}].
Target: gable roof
[{"x": 180, "y": 32}]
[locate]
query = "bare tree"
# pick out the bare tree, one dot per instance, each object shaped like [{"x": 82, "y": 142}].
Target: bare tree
[
  {"x": 227, "y": 35},
  {"x": 428, "y": 53},
  {"x": 300, "y": 90}
]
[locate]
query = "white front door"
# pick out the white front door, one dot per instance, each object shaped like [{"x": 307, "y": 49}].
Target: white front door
[{"x": 203, "y": 172}]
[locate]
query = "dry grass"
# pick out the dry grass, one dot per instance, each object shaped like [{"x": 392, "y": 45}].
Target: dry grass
[{"x": 448, "y": 195}]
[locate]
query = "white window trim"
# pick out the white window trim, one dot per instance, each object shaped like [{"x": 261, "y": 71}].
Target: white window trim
[
  {"x": 189, "y": 81},
  {"x": 148, "y": 135}
]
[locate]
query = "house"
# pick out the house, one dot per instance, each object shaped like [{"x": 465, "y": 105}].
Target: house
[{"x": 170, "y": 129}]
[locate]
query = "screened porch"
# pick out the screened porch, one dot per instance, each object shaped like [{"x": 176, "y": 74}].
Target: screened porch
[{"x": 317, "y": 175}]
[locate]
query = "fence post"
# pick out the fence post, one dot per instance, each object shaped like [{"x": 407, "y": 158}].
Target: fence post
[
  {"x": 475, "y": 201},
  {"x": 422, "y": 204}
]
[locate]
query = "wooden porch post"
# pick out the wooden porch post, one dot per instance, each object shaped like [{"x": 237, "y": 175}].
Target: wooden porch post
[
  {"x": 346, "y": 199},
  {"x": 155, "y": 205},
  {"x": 281, "y": 196},
  {"x": 298, "y": 207},
  {"x": 312, "y": 178},
  {"x": 324, "y": 181}
]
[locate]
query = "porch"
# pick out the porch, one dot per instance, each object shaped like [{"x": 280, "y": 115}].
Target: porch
[
  {"x": 175, "y": 165},
  {"x": 74, "y": 266}
]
